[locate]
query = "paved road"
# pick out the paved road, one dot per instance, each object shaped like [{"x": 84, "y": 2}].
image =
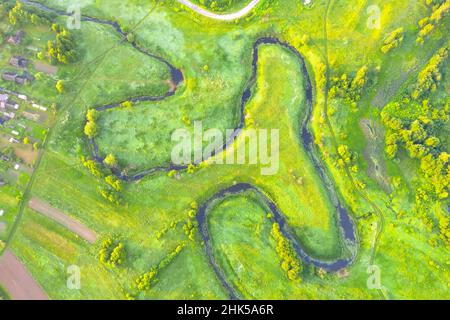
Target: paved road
[
  {"x": 17, "y": 280},
  {"x": 63, "y": 219},
  {"x": 225, "y": 17}
]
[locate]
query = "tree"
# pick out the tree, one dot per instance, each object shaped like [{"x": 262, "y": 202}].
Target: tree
[
  {"x": 26, "y": 140},
  {"x": 114, "y": 183},
  {"x": 126, "y": 104},
  {"x": 110, "y": 161},
  {"x": 60, "y": 86},
  {"x": 91, "y": 115},
  {"x": 289, "y": 262},
  {"x": 90, "y": 129}
]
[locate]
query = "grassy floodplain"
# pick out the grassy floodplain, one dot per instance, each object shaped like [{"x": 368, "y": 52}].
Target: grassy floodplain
[{"x": 215, "y": 58}]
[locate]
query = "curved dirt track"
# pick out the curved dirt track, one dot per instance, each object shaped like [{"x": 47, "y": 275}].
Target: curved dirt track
[
  {"x": 73, "y": 225},
  {"x": 224, "y": 17},
  {"x": 17, "y": 280}
]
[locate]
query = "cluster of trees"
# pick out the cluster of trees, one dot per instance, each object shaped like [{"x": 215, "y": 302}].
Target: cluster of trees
[
  {"x": 289, "y": 261},
  {"x": 190, "y": 226},
  {"x": 347, "y": 158},
  {"x": 110, "y": 161},
  {"x": 393, "y": 40},
  {"x": 109, "y": 186},
  {"x": 146, "y": 280},
  {"x": 416, "y": 132},
  {"x": 435, "y": 169},
  {"x": 112, "y": 254},
  {"x": 90, "y": 128},
  {"x": 347, "y": 88},
  {"x": 428, "y": 24},
  {"x": 430, "y": 76},
  {"x": 115, "y": 183},
  {"x": 19, "y": 15},
  {"x": 92, "y": 166},
  {"x": 62, "y": 49}
]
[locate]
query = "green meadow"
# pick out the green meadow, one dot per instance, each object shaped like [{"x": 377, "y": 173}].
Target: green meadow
[{"x": 404, "y": 237}]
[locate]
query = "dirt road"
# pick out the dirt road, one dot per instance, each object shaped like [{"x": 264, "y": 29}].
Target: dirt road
[
  {"x": 225, "y": 17},
  {"x": 63, "y": 219},
  {"x": 17, "y": 280}
]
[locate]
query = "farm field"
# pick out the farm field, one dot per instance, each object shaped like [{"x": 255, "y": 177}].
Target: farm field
[{"x": 152, "y": 151}]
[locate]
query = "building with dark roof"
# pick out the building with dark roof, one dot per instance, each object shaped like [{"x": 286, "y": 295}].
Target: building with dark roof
[
  {"x": 9, "y": 76},
  {"x": 18, "y": 62},
  {"x": 16, "y": 38}
]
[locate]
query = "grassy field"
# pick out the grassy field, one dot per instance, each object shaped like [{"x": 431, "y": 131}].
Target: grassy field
[
  {"x": 245, "y": 249},
  {"x": 3, "y": 294},
  {"x": 215, "y": 59}
]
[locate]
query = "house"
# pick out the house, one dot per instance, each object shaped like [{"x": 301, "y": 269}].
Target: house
[
  {"x": 16, "y": 38},
  {"x": 26, "y": 77},
  {"x": 3, "y": 100},
  {"x": 31, "y": 116},
  {"x": 2, "y": 121},
  {"x": 10, "y": 115},
  {"x": 14, "y": 77},
  {"x": 21, "y": 80},
  {"x": 12, "y": 105},
  {"x": 4, "y": 158},
  {"x": 18, "y": 62}
]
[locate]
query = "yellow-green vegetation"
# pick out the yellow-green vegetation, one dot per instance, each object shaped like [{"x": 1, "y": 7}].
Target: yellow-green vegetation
[
  {"x": 396, "y": 76},
  {"x": 90, "y": 128},
  {"x": 145, "y": 281},
  {"x": 112, "y": 253},
  {"x": 430, "y": 76},
  {"x": 289, "y": 261},
  {"x": 428, "y": 24},
  {"x": 393, "y": 40}
]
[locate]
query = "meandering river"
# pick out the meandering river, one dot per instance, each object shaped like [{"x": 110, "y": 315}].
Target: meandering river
[{"x": 344, "y": 221}]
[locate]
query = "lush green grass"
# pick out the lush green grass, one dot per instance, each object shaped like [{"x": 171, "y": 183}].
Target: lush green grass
[
  {"x": 243, "y": 247},
  {"x": 151, "y": 205}
]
